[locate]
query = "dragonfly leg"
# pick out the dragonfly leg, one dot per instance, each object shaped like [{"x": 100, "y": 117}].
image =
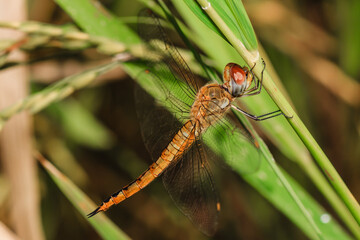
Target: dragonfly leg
[
  {"x": 258, "y": 82},
  {"x": 260, "y": 117}
]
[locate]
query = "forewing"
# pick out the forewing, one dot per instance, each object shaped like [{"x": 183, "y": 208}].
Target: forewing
[
  {"x": 188, "y": 180},
  {"x": 189, "y": 183},
  {"x": 158, "y": 42},
  {"x": 170, "y": 83}
]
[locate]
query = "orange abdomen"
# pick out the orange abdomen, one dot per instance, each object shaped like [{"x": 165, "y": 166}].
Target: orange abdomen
[{"x": 181, "y": 142}]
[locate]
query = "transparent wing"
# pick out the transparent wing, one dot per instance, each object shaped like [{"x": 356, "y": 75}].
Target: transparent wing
[
  {"x": 190, "y": 185},
  {"x": 234, "y": 143},
  {"x": 188, "y": 180},
  {"x": 158, "y": 125},
  {"x": 174, "y": 88},
  {"x": 169, "y": 81},
  {"x": 161, "y": 48}
]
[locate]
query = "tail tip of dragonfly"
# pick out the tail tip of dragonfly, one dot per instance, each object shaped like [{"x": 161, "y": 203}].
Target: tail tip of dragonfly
[{"x": 93, "y": 213}]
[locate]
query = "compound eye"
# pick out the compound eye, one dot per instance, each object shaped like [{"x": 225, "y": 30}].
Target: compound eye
[
  {"x": 238, "y": 74},
  {"x": 238, "y": 80}
]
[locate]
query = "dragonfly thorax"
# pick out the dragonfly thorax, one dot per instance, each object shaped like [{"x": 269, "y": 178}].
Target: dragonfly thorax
[
  {"x": 210, "y": 105},
  {"x": 237, "y": 79}
]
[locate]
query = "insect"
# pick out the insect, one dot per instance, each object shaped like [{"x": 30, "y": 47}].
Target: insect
[{"x": 179, "y": 153}]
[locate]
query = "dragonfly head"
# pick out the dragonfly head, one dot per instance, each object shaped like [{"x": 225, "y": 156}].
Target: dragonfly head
[{"x": 237, "y": 79}]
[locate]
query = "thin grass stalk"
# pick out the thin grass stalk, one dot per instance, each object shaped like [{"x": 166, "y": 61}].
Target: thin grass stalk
[
  {"x": 105, "y": 45},
  {"x": 318, "y": 178},
  {"x": 55, "y": 92},
  {"x": 295, "y": 121},
  {"x": 252, "y": 58}
]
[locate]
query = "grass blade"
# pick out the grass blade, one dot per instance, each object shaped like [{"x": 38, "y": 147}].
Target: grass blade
[
  {"x": 55, "y": 92},
  {"x": 106, "y": 228},
  {"x": 134, "y": 69},
  {"x": 277, "y": 129},
  {"x": 232, "y": 16},
  {"x": 295, "y": 121}
]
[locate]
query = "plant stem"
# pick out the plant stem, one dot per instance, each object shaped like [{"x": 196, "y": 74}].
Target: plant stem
[
  {"x": 255, "y": 58},
  {"x": 294, "y": 121},
  {"x": 55, "y": 92}
]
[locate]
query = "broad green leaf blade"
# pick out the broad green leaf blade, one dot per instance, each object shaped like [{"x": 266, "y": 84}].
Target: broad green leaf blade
[
  {"x": 298, "y": 126},
  {"x": 302, "y": 155},
  {"x": 277, "y": 129},
  {"x": 267, "y": 182},
  {"x": 242, "y": 23},
  {"x": 234, "y": 146},
  {"x": 95, "y": 20},
  {"x": 233, "y": 14},
  {"x": 106, "y": 228},
  {"x": 203, "y": 17}
]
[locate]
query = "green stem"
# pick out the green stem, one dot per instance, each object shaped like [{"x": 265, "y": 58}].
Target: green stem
[
  {"x": 55, "y": 92},
  {"x": 294, "y": 121},
  {"x": 255, "y": 58},
  {"x": 313, "y": 147}
]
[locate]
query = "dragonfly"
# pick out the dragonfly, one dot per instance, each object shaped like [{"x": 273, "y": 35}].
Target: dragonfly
[{"x": 177, "y": 147}]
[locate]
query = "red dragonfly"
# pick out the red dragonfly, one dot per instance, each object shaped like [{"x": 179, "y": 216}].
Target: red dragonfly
[{"x": 177, "y": 148}]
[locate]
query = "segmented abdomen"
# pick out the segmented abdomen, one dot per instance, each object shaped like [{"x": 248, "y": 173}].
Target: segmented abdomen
[{"x": 181, "y": 142}]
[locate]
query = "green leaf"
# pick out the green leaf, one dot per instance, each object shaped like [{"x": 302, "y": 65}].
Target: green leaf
[
  {"x": 202, "y": 16},
  {"x": 95, "y": 20},
  {"x": 277, "y": 129},
  {"x": 265, "y": 180},
  {"x": 105, "y": 228},
  {"x": 234, "y": 15},
  {"x": 280, "y": 199}
]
